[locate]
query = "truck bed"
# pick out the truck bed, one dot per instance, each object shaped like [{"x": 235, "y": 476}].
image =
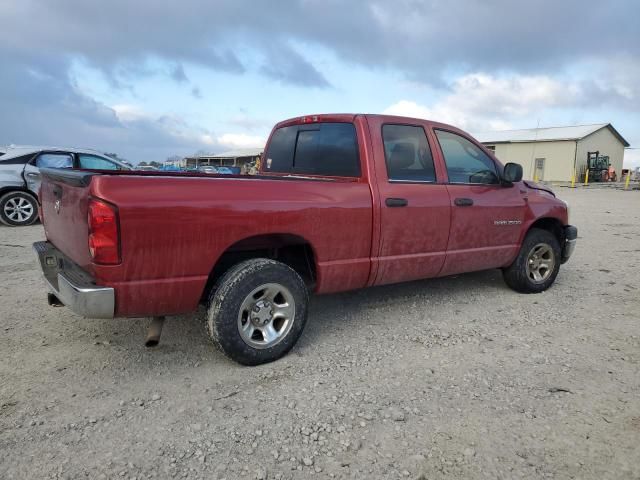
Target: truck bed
[{"x": 174, "y": 226}]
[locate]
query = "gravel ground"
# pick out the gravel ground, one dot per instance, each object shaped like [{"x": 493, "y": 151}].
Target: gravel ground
[{"x": 456, "y": 377}]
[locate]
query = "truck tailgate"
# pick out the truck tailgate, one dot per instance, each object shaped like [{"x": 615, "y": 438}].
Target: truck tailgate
[{"x": 64, "y": 197}]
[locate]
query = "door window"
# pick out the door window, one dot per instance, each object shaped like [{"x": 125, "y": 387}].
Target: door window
[
  {"x": 466, "y": 162},
  {"x": 93, "y": 162},
  {"x": 407, "y": 154},
  {"x": 55, "y": 160}
]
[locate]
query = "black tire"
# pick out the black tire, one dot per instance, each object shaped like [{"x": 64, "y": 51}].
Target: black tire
[
  {"x": 517, "y": 276},
  {"x": 10, "y": 216},
  {"x": 228, "y": 298}
]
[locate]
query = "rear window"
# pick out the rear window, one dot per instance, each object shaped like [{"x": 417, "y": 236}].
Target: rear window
[
  {"x": 319, "y": 149},
  {"x": 92, "y": 162}
]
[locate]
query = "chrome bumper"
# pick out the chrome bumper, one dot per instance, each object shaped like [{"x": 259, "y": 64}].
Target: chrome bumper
[
  {"x": 570, "y": 238},
  {"x": 72, "y": 285}
]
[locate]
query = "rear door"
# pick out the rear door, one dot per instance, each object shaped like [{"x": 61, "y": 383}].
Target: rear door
[
  {"x": 12, "y": 169},
  {"x": 486, "y": 217},
  {"x": 414, "y": 205},
  {"x": 45, "y": 159}
]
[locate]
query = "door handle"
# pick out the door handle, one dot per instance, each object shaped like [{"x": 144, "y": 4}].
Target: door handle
[
  {"x": 396, "y": 202},
  {"x": 463, "y": 202},
  {"x": 33, "y": 174}
]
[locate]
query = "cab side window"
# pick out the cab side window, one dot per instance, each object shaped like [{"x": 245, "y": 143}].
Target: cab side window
[
  {"x": 54, "y": 160},
  {"x": 93, "y": 162},
  {"x": 466, "y": 162},
  {"x": 407, "y": 154}
]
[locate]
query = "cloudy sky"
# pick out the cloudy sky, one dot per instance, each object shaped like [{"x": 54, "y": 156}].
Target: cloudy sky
[{"x": 151, "y": 78}]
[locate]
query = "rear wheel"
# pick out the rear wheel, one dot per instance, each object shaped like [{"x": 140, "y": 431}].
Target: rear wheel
[
  {"x": 537, "y": 264},
  {"x": 18, "y": 209},
  {"x": 257, "y": 311}
]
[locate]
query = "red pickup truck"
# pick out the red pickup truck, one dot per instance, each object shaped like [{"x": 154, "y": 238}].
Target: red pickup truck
[{"x": 341, "y": 202}]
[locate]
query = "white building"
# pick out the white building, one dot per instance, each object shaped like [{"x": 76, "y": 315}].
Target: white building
[{"x": 554, "y": 154}]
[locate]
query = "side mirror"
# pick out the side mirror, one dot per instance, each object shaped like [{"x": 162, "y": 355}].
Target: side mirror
[{"x": 512, "y": 172}]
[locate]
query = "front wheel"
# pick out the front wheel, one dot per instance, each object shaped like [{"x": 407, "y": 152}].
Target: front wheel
[
  {"x": 537, "y": 264},
  {"x": 18, "y": 209},
  {"x": 257, "y": 311}
]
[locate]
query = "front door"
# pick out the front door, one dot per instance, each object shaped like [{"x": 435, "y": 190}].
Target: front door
[
  {"x": 414, "y": 207},
  {"x": 486, "y": 217}
]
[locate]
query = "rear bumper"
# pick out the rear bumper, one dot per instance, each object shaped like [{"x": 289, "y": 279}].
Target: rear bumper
[
  {"x": 72, "y": 285},
  {"x": 570, "y": 239}
]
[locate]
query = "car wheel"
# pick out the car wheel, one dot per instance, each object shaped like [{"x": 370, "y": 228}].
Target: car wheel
[
  {"x": 18, "y": 209},
  {"x": 257, "y": 311},
  {"x": 537, "y": 264}
]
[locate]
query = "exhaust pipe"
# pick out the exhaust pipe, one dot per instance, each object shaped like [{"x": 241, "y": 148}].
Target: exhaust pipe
[
  {"x": 154, "y": 332},
  {"x": 54, "y": 301}
]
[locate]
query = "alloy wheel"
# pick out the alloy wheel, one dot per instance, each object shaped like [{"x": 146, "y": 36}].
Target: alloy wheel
[
  {"x": 266, "y": 315},
  {"x": 18, "y": 209},
  {"x": 540, "y": 263}
]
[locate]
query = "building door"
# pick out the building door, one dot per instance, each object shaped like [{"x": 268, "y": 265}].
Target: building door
[{"x": 538, "y": 174}]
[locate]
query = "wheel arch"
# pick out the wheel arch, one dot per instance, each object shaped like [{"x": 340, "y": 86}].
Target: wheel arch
[
  {"x": 5, "y": 190},
  {"x": 550, "y": 224},
  {"x": 291, "y": 249}
]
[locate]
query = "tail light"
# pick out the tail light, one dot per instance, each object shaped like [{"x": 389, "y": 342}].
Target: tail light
[{"x": 104, "y": 241}]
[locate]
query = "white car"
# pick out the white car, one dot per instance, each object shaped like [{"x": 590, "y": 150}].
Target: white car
[{"x": 20, "y": 176}]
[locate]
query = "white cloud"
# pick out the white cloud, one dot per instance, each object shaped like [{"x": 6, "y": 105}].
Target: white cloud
[
  {"x": 208, "y": 139},
  {"x": 241, "y": 140},
  {"x": 177, "y": 127},
  {"x": 249, "y": 122},
  {"x": 170, "y": 129},
  {"x": 440, "y": 112},
  {"x": 407, "y": 108},
  {"x": 480, "y": 101},
  {"x": 631, "y": 158},
  {"x": 615, "y": 81},
  {"x": 129, "y": 113}
]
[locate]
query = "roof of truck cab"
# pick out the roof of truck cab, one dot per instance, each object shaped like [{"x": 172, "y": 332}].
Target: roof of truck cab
[
  {"x": 316, "y": 118},
  {"x": 349, "y": 117}
]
